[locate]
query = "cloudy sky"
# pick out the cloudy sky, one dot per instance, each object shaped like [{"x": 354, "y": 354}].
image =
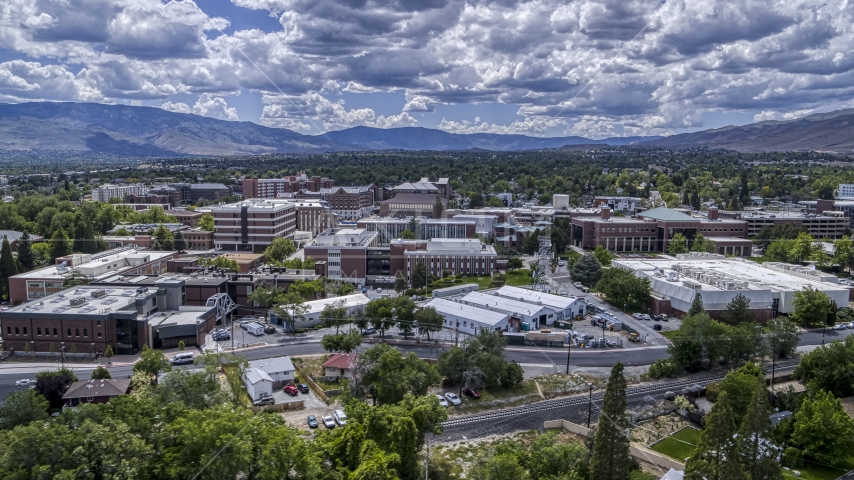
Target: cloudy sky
[{"x": 541, "y": 67}]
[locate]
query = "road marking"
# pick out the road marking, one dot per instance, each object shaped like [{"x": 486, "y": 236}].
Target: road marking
[{"x": 537, "y": 365}]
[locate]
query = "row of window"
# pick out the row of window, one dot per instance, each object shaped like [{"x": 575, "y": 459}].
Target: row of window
[{"x": 47, "y": 332}]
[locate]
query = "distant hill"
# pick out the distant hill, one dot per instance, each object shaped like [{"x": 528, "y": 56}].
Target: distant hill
[
  {"x": 827, "y": 132},
  {"x": 122, "y": 130},
  {"x": 418, "y": 138}
]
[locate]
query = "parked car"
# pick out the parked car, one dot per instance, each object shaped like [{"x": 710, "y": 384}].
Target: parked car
[
  {"x": 340, "y": 417},
  {"x": 364, "y": 290},
  {"x": 840, "y": 326},
  {"x": 264, "y": 401},
  {"x": 290, "y": 390},
  {"x": 561, "y": 263},
  {"x": 269, "y": 329},
  {"x": 312, "y": 421},
  {"x": 328, "y": 421},
  {"x": 243, "y": 323},
  {"x": 637, "y": 316},
  {"x": 453, "y": 399},
  {"x": 576, "y": 284},
  {"x": 442, "y": 401},
  {"x": 369, "y": 331},
  {"x": 844, "y": 281},
  {"x": 182, "y": 358},
  {"x": 470, "y": 392},
  {"x": 379, "y": 290},
  {"x": 657, "y": 327},
  {"x": 303, "y": 388},
  {"x": 24, "y": 382}
]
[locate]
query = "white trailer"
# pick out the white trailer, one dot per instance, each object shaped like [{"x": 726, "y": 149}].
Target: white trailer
[{"x": 255, "y": 328}]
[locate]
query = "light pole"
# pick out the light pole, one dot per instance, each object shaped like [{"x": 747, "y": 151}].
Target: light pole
[
  {"x": 62, "y": 356},
  {"x": 589, "y": 404},
  {"x": 568, "y": 352}
]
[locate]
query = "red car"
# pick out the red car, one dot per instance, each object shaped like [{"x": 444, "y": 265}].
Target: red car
[
  {"x": 470, "y": 392},
  {"x": 291, "y": 390}
]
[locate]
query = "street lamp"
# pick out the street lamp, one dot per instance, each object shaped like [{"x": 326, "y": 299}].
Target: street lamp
[
  {"x": 589, "y": 404},
  {"x": 568, "y": 352},
  {"x": 62, "y": 356}
]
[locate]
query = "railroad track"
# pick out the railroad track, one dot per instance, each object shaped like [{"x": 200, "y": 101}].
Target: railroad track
[{"x": 632, "y": 392}]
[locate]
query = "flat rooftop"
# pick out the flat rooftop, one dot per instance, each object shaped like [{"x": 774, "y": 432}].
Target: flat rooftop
[
  {"x": 476, "y": 314},
  {"x": 100, "y": 265},
  {"x": 533, "y": 296},
  {"x": 508, "y": 305},
  {"x": 714, "y": 273},
  {"x": 79, "y": 301}
]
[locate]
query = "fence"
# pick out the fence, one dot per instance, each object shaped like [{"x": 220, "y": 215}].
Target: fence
[
  {"x": 313, "y": 386},
  {"x": 639, "y": 453},
  {"x": 281, "y": 407}
]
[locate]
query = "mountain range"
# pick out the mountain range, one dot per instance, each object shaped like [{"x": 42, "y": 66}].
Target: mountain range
[{"x": 79, "y": 129}]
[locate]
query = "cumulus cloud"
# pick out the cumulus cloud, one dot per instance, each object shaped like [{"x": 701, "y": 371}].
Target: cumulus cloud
[
  {"x": 596, "y": 67},
  {"x": 214, "y": 107},
  {"x": 176, "y": 107}
]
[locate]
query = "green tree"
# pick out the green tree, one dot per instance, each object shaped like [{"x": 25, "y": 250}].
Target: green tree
[
  {"x": 206, "y": 222},
  {"x": 622, "y": 287},
  {"x": 784, "y": 336},
  {"x": 501, "y": 467},
  {"x": 696, "y": 305},
  {"x": 603, "y": 255},
  {"x": 420, "y": 277},
  {"x": 265, "y": 297},
  {"x": 549, "y": 458},
  {"x": 407, "y": 235},
  {"x": 7, "y": 267},
  {"x": 387, "y": 375},
  {"x": 198, "y": 390},
  {"x": 829, "y": 367},
  {"x": 400, "y": 283},
  {"x": 22, "y": 407},
  {"x": 25, "y": 251},
  {"x": 279, "y": 249},
  {"x": 811, "y": 307},
  {"x": 514, "y": 263},
  {"x": 100, "y": 373},
  {"x": 738, "y": 311},
  {"x": 610, "y": 459},
  {"x": 342, "y": 343},
  {"x": 843, "y": 252},
  {"x": 716, "y": 457},
  {"x": 291, "y": 307},
  {"x": 778, "y": 250},
  {"x": 756, "y": 449},
  {"x": 163, "y": 236},
  {"x": 152, "y": 363},
  {"x": 179, "y": 242},
  {"x": 823, "y": 430},
  {"x": 587, "y": 270},
  {"x": 108, "y": 352},
  {"x": 739, "y": 385},
  {"x": 429, "y": 320},
  {"x": 52, "y": 385},
  {"x": 801, "y": 248},
  {"x": 210, "y": 444},
  {"x": 677, "y": 244},
  {"x": 702, "y": 244},
  {"x": 438, "y": 207},
  {"x": 335, "y": 314}
]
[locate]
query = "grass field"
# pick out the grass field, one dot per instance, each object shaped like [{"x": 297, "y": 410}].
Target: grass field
[
  {"x": 815, "y": 471},
  {"x": 668, "y": 334},
  {"x": 680, "y": 445}
]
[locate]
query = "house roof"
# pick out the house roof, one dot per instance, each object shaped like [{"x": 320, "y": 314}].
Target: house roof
[
  {"x": 667, "y": 214},
  {"x": 12, "y": 235},
  {"x": 532, "y": 296},
  {"x": 470, "y": 312},
  {"x": 98, "y": 388},
  {"x": 339, "y": 360},
  {"x": 673, "y": 475},
  {"x": 254, "y": 375},
  {"x": 273, "y": 365}
]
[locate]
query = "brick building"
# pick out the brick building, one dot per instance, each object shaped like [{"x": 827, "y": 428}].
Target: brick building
[
  {"x": 411, "y": 205},
  {"x": 442, "y": 187},
  {"x": 251, "y": 225},
  {"x": 425, "y": 229},
  {"x": 457, "y": 256},
  {"x": 344, "y": 252},
  {"x": 347, "y": 202},
  {"x": 275, "y": 187}
]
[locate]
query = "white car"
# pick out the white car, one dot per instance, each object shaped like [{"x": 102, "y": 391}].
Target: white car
[
  {"x": 24, "y": 382},
  {"x": 561, "y": 263},
  {"x": 340, "y": 417},
  {"x": 442, "y": 401},
  {"x": 379, "y": 290},
  {"x": 453, "y": 399},
  {"x": 844, "y": 281},
  {"x": 328, "y": 422},
  {"x": 637, "y": 316},
  {"x": 840, "y": 326}
]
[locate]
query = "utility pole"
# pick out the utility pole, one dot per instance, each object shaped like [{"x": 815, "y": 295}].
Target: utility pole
[
  {"x": 589, "y": 405},
  {"x": 568, "y": 351},
  {"x": 62, "y": 356},
  {"x": 457, "y": 337},
  {"x": 773, "y": 359},
  {"x": 427, "y": 463}
]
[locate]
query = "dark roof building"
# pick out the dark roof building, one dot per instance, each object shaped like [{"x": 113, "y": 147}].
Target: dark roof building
[{"x": 95, "y": 391}]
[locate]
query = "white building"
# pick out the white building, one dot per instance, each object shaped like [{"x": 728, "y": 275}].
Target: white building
[
  {"x": 469, "y": 319},
  {"x": 560, "y": 201},
  {"x": 531, "y": 313},
  {"x": 105, "y": 192},
  {"x": 846, "y": 190},
  {"x": 354, "y": 304},
  {"x": 565, "y": 308},
  {"x": 279, "y": 369},
  {"x": 770, "y": 286},
  {"x": 626, "y": 205},
  {"x": 258, "y": 384}
]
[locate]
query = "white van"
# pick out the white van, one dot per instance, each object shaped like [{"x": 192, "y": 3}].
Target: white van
[
  {"x": 182, "y": 358},
  {"x": 255, "y": 328}
]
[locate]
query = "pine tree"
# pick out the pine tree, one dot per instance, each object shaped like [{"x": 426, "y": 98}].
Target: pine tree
[
  {"x": 738, "y": 311},
  {"x": 757, "y": 452},
  {"x": 587, "y": 270},
  {"x": 7, "y": 266},
  {"x": 180, "y": 242},
  {"x": 25, "y": 251},
  {"x": 695, "y": 200},
  {"x": 716, "y": 457},
  {"x": 60, "y": 244},
  {"x": 696, "y": 305},
  {"x": 610, "y": 460}
]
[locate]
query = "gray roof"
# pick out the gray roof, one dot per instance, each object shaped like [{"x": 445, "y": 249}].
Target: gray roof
[
  {"x": 13, "y": 235},
  {"x": 207, "y": 186},
  {"x": 254, "y": 375},
  {"x": 97, "y": 388},
  {"x": 667, "y": 214},
  {"x": 273, "y": 365}
]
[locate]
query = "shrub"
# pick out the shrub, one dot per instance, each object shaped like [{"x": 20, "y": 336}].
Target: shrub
[
  {"x": 793, "y": 458},
  {"x": 664, "y": 368},
  {"x": 712, "y": 391}
]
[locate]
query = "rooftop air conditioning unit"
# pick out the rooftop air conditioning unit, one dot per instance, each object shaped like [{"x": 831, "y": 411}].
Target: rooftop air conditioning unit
[
  {"x": 98, "y": 293},
  {"x": 76, "y": 302}
]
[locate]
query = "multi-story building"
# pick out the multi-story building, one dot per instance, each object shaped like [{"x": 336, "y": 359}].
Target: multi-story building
[
  {"x": 649, "y": 231},
  {"x": 186, "y": 217},
  {"x": 442, "y": 187},
  {"x": 350, "y": 203},
  {"x": 453, "y": 255},
  {"x": 343, "y": 253},
  {"x": 846, "y": 190},
  {"x": 830, "y": 223},
  {"x": 411, "y": 205},
  {"x": 251, "y": 225},
  {"x": 40, "y": 283},
  {"x": 105, "y": 192},
  {"x": 425, "y": 229},
  {"x": 275, "y": 187},
  {"x": 87, "y": 319},
  {"x": 625, "y": 205},
  {"x": 823, "y": 207},
  {"x": 172, "y": 194},
  {"x": 198, "y": 239}
]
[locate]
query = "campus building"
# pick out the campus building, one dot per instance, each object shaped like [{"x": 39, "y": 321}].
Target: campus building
[
  {"x": 411, "y": 205},
  {"x": 105, "y": 192},
  {"x": 341, "y": 253},
  {"x": 453, "y": 256},
  {"x": 391, "y": 228},
  {"x": 252, "y": 225}
]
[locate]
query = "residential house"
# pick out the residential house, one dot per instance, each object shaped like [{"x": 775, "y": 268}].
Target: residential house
[
  {"x": 339, "y": 366},
  {"x": 95, "y": 391},
  {"x": 280, "y": 369},
  {"x": 258, "y": 384}
]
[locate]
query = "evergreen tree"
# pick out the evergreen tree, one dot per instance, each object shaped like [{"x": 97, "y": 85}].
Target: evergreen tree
[
  {"x": 696, "y": 305},
  {"x": 164, "y": 238},
  {"x": 179, "y": 242},
  {"x": 716, "y": 457},
  {"x": 419, "y": 278},
  {"x": 25, "y": 251},
  {"x": 695, "y": 201},
  {"x": 610, "y": 460},
  {"x": 738, "y": 311},
  {"x": 757, "y": 452},
  {"x": 60, "y": 244},
  {"x": 587, "y": 270},
  {"x": 438, "y": 207},
  {"x": 7, "y": 266}
]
